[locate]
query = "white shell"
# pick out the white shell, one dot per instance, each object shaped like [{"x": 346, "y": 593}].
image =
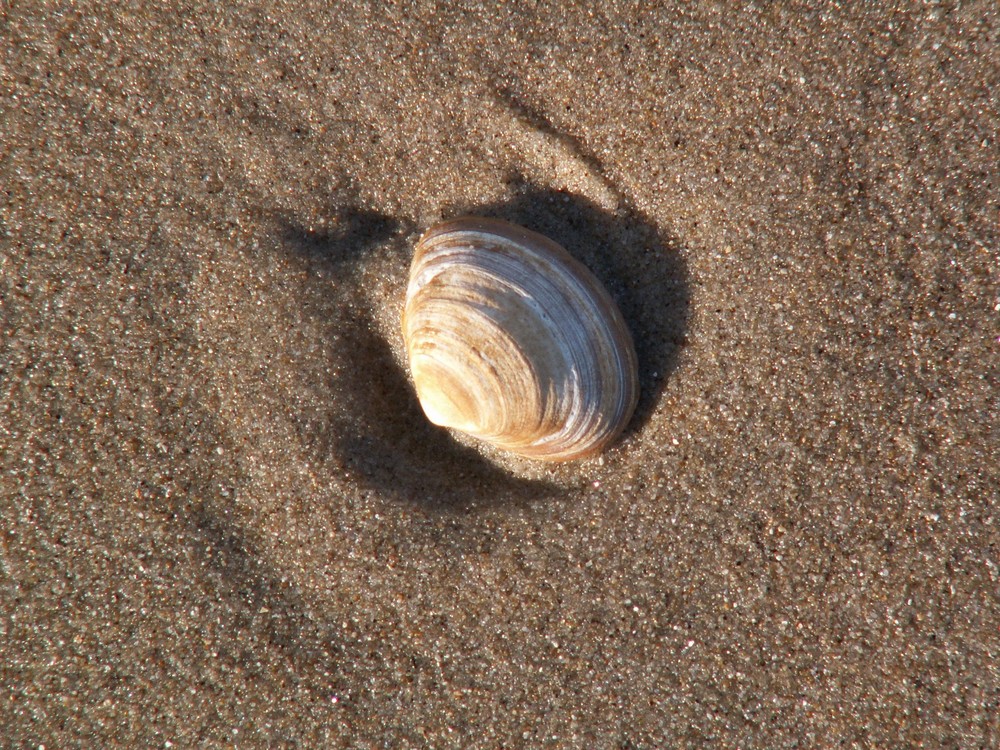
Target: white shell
[{"x": 512, "y": 340}]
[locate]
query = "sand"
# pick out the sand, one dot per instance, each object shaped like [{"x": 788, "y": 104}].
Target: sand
[{"x": 225, "y": 521}]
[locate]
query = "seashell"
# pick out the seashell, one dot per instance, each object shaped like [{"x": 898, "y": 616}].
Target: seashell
[{"x": 513, "y": 341}]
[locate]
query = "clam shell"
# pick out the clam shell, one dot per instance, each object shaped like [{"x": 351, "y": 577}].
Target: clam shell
[{"x": 513, "y": 341}]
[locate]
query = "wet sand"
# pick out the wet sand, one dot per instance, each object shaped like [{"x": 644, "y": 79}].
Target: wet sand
[{"x": 225, "y": 521}]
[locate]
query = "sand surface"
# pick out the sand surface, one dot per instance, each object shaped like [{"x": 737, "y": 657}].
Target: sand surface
[{"x": 224, "y": 520}]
